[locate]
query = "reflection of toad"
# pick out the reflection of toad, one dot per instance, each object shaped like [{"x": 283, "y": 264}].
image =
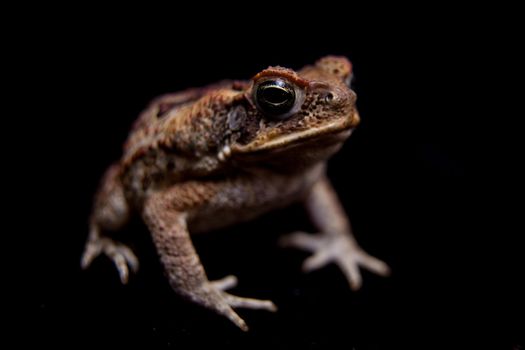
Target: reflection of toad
[{"x": 210, "y": 157}]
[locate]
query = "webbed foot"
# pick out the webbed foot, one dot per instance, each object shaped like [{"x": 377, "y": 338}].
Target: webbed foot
[
  {"x": 213, "y": 295},
  {"x": 339, "y": 249},
  {"x": 119, "y": 253}
]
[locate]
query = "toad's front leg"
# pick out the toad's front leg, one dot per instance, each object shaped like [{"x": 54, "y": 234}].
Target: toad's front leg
[
  {"x": 165, "y": 216},
  {"x": 335, "y": 243}
]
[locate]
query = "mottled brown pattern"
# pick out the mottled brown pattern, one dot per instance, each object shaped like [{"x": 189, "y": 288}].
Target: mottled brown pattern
[{"x": 209, "y": 157}]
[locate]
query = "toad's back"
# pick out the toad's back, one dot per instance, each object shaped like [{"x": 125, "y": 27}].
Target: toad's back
[{"x": 175, "y": 139}]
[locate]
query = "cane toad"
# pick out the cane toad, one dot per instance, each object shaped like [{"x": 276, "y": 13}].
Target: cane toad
[{"x": 209, "y": 157}]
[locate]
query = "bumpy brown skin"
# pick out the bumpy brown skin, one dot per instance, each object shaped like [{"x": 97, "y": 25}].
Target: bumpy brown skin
[{"x": 208, "y": 157}]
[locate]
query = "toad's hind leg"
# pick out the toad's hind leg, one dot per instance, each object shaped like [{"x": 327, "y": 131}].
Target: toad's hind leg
[{"x": 110, "y": 213}]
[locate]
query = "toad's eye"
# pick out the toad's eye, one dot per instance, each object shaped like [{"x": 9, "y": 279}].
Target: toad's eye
[{"x": 275, "y": 98}]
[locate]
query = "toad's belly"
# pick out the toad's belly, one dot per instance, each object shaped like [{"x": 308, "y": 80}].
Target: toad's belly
[{"x": 242, "y": 199}]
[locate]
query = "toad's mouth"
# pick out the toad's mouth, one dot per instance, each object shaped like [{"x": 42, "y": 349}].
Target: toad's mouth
[{"x": 336, "y": 131}]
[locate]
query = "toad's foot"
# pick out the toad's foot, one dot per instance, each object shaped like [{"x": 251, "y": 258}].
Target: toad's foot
[
  {"x": 339, "y": 249},
  {"x": 213, "y": 296},
  {"x": 120, "y": 254}
]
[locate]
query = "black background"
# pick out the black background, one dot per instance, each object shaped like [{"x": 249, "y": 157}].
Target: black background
[{"x": 422, "y": 179}]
